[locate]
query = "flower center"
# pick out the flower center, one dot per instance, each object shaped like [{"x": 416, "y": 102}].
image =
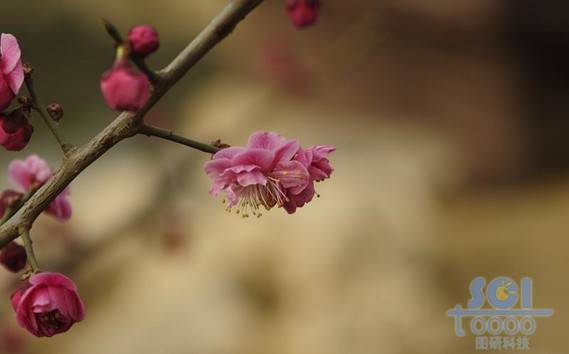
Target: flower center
[
  {"x": 251, "y": 198},
  {"x": 51, "y": 321}
]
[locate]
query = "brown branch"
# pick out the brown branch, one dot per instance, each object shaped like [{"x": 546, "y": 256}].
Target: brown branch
[
  {"x": 41, "y": 109},
  {"x": 126, "y": 124},
  {"x": 149, "y": 130}
]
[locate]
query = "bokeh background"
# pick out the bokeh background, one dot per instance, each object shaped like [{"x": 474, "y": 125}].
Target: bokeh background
[{"x": 451, "y": 121}]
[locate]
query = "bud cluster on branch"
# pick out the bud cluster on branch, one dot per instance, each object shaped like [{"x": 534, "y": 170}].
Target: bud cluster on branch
[{"x": 270, "y": 171}]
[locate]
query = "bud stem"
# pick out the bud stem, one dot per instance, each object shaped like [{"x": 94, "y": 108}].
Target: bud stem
[
  {"x": 40, "y": 108},
  {"x": 28, "y": 245},
  {"x": 169, "y": 135}
]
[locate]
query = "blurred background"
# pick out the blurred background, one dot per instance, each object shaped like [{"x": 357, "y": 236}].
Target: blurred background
[{"x": 450, "y": 121}]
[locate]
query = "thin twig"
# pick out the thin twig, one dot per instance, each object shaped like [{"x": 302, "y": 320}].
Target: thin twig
[
  {"x": 28, "y": 245},
  {"x": 169, "y": 135},
  {"x": 141, "y": 64},
  {"x": 126, "y": 124},
  {"x": 40, "y": 108}
]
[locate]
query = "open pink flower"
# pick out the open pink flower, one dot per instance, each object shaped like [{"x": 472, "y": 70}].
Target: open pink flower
[
  {"x": 32, "y": 173},
  {"x": 48, "y": 304},
  {"x": 265, "y": 173},
  {"x": 11, "y": 71}
]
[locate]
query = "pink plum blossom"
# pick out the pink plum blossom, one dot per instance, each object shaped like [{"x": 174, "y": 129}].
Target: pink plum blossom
[
  {"x": 11, "y": 71},
  {"x": 48, "y": 304},
  {"x": 303, "y": 13},
  {"x": 32, "y": 173},
  {"x": 270, "y": 171},
  {"x": 143, "y": 40},
  {"x": 124, "y": 88}
]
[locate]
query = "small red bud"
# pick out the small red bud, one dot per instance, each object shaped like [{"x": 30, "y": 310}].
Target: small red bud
[
  {"x": 303, "y": 13},
  {"x": 13, "y": 257},
  {"x": 143, "y": 40}
]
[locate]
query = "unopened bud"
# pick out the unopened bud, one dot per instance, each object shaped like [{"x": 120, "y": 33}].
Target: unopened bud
[
  {"x": 28, "y": 70},
  {"x": 143, "y": 40},
  {"x": 55, "y": 111},
  {"x": 13, "y": 257},
  {"x": 25, "y": 101}
]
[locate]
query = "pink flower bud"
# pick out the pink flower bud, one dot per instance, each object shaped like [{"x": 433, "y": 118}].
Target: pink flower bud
[
  {"x": 303, "y": 13},
  {"x": 124, "y": 88},
  {"x": 15, "y": 131},
  {"x": 13, "y": 257},
  {"x": 48, "y": 304},
  {"x": 143, "y": 40}
]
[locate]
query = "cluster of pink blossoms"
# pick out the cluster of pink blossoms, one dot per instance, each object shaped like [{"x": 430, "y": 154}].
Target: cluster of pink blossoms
[
  {"x": 47, "y": 303},
  {"x": 270, "y": 171},
  {"x": 15, "y": 130}
]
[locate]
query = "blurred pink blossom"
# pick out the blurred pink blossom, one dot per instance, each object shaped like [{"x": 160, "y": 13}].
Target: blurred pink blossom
[
  {"x": 32, "y": 173},
  {"x": 303, "y": 13}
]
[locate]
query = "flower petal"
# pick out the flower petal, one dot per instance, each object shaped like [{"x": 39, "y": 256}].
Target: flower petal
[
  {"x": 250, "y": 178},
  {"x": 286, "y": 152},
  {"x": 15, "y": 78},
  {"x": 266, "y": 140},
  {"x": 258, "y": 157},
  {"x": 10, "y": 51},
  {"x": 216, "y": 167},
  {"x": 228, "y": 153},
  {"x": 60, "y": 207},
  {"x": 52, "y": 279},
  {"x": 24, "y": 173},
  {"x": 292, "y": 175}
]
